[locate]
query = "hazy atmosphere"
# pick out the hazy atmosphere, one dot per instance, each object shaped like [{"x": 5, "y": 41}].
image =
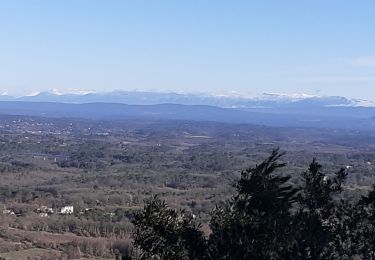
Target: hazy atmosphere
[
  {"x": 314, "y": 47},
  {"x": 187, "y": 130}
]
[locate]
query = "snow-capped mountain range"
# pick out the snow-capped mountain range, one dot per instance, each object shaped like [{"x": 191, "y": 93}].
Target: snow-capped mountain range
[
  {"x": 280, "y": 110},
  {"x": 226, "y": 100}
]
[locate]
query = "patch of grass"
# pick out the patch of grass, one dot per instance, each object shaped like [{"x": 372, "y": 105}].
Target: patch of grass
[{"x": 32, "y": 253}]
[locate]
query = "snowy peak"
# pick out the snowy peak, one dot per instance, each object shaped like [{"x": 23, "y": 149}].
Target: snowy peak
[
  {"x": 362, "y": 103},
  {"x": 287, "y": 97},
  {"x": 226, "y": 100}
]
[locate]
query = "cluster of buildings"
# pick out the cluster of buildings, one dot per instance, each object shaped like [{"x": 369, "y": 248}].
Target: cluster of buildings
[
  {"x": 44, "y": 211},
  {"x": 8, "y": 211}
]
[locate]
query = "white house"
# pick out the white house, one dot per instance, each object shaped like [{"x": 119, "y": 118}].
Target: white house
[
  {"x": 67, "y": 210},
  {"x": 8, "y": 212}
]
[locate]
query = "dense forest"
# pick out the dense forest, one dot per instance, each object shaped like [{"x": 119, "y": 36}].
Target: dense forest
[{"x": 268, "y": 218}]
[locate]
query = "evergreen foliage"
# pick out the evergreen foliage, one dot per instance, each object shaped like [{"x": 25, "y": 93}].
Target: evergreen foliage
[
  {"x": 256, "y": 223},
  {"x": 268, "y": 218},
  {"x": 318, "y": 216},
  {"x": 164, "y": 233}
]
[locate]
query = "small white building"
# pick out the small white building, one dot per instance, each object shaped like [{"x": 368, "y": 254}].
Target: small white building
[
  {"x": 45, "y": 209},
  {"x": 67, "y": 210},
  {"x": 8, "y": 212}
]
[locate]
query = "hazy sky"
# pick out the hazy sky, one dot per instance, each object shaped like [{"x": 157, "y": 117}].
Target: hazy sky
[{"x": 325, "y": 47}]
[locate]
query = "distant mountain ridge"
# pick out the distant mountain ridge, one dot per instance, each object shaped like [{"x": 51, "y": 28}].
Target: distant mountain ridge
[
  {"x": 231, "y": 100},
  {"x": 116, "y": 111},
  {"x": 297, "y": 110},
  {"x": 335, "y": 117}
]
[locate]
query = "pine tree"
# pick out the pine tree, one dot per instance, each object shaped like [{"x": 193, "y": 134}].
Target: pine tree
[
  {"x": 318, "y": 218},
  {"x": 256, "y": 223},
  {"x": 364, "y": 228},
  {"x": 164, "y": 233}
]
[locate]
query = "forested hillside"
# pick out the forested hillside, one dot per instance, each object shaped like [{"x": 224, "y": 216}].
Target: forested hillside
[
  {"x": 267, "y": 218},
  {"x": 104, "y": 170}
]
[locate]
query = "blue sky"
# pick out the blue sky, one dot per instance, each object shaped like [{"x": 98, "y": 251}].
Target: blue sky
[{"x": 313, "y": 46}]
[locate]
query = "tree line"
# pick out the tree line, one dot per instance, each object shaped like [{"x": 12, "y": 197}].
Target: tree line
[{"x": 268, "y": 218}]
